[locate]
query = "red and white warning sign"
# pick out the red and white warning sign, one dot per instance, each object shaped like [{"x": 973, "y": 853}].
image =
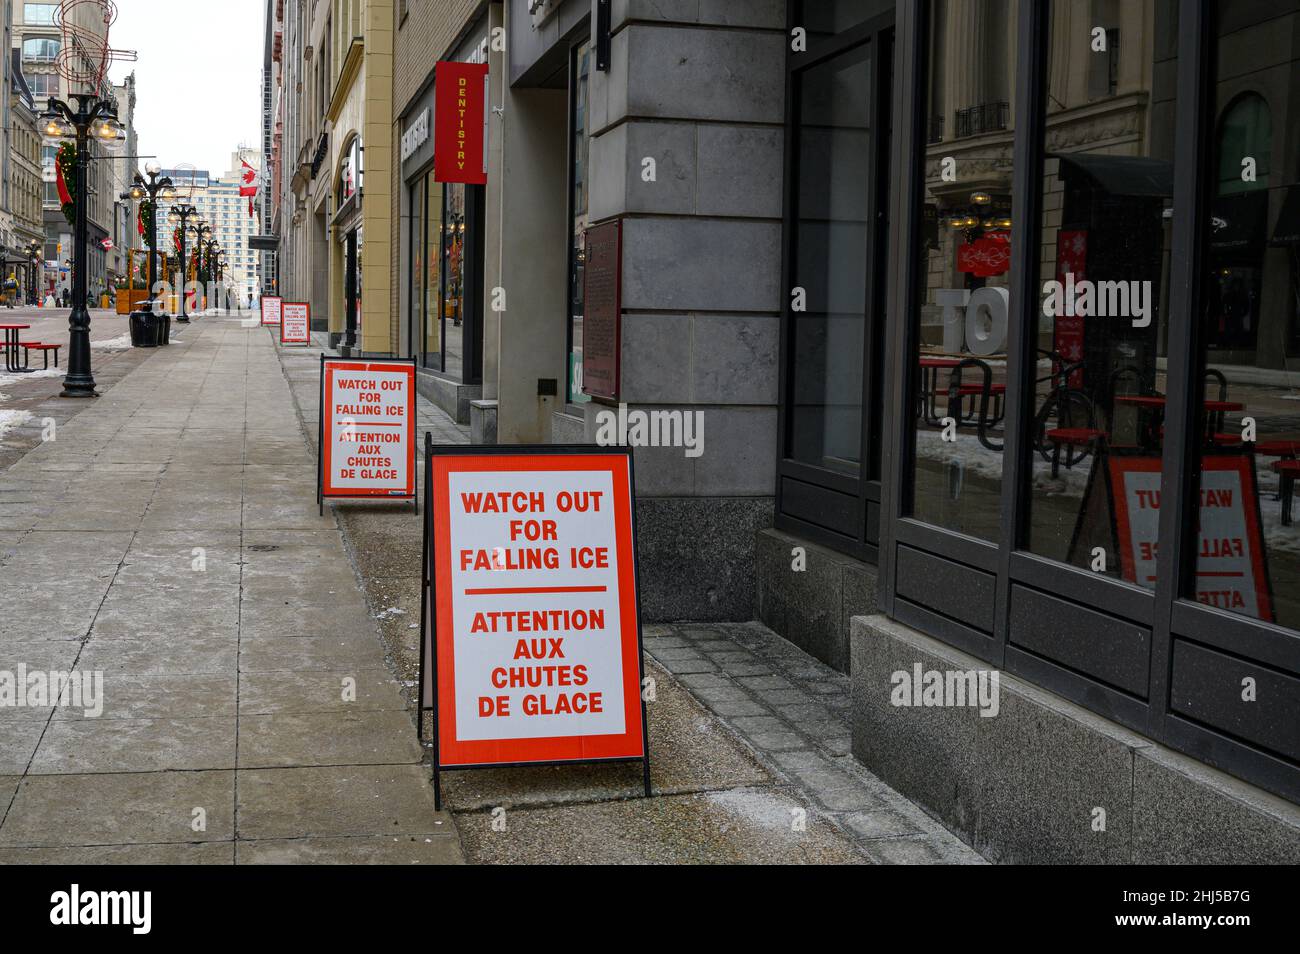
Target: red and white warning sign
[
  {"x": 271, "y": 306},
  {"x": 295, "y": 322},
  {"x": 532, "y": 618},
  {"x": 367, "y": 428},
  {"x": 1230, "y": 567}
]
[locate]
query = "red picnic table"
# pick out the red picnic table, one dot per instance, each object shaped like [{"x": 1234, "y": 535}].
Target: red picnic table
[
  {"x": 1156, "y": 402},
  {"x": 11, "y": 345},
  {"x": 930, "y": 368}
]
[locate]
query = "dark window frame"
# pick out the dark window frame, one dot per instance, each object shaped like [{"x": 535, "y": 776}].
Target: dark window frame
[
  {"x": 575, "y": 44},
  {"x": 1026, "y": 595},
  {"x": 419, "y": 233},
  {"x": 837, "y": 510},
  {"x": 470, "y": 372},
  {"x": 471, "y": 253}
]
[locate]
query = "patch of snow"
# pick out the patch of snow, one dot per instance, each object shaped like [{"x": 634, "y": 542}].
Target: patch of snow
[
  {"x": 120, "y": 343},
  {"x": 762, "y": 810},
  {"x": 11, "y": 419},
  {"x": 975, "y": 459},
  {"x": 6, "y": 379}
]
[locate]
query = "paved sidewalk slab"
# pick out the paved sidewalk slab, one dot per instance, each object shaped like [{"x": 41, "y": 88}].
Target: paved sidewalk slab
[{"x": 168, "y": 539}]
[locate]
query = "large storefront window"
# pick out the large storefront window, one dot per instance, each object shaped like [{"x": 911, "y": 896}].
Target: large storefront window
[
  {"x": 426, "y": 225},
  {"x": 431, "y": 279},
  {"x": 349, "y": 173},
  {"x": 454, "y": 278},
  {"x": 831, "y": 243},
  {"x": 419, "y": 223},
  {"x": 837, "y": 238},
  {"x": 1246, "y": 444},
  {"x": 1132, "y": 341},
  {"x": 446, "y": 270},
  {"x": 964, "y": 247},
  {"x": 1099, "y": 391}
]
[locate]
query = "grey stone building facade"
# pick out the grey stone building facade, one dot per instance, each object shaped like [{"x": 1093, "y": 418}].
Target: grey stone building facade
[{"x": 825, "y": 233}]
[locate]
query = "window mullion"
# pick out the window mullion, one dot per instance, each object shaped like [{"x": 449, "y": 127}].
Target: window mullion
[
  {"x": 1026, "y": 199},
  {"x": 1177, "y": 520}
]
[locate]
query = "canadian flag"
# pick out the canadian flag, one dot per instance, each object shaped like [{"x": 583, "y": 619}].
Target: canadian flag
[{"x": 248, "y": 187}]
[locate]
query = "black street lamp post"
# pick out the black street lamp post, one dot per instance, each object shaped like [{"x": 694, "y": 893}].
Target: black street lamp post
[
  {"x": 33, "y": 249},
  {"x": 202, "y": 232},
  {"x": 211, "y": 248},
  {"x": 180, "y": 215},
  {"x": 152, "y": 187},
  {"x": 90, "y": 116}
]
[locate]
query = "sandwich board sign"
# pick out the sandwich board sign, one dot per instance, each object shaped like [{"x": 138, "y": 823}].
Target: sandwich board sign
[
  {"x": 271, "y": 309},
  {"x": 530, "y": 650},
  {"x": 295, "y": 322},
  {"x": 367, "y": 429},
  {"x": 1231, "y": 571}
]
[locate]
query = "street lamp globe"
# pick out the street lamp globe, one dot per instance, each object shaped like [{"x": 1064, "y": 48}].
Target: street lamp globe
[{"x": 153, "y": 168}]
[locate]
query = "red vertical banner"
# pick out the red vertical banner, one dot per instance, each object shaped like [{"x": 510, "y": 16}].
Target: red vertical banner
[{"x": 460, "y": 122}]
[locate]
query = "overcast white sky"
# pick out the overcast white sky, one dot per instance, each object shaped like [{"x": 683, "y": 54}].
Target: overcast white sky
[{"x": 198, "y": 77}]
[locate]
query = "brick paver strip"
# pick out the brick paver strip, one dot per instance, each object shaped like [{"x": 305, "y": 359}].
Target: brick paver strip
[{"x": 793, "y": 711}]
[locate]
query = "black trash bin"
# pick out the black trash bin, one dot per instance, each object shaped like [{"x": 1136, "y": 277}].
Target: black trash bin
[{"x": 144, "y": 329}]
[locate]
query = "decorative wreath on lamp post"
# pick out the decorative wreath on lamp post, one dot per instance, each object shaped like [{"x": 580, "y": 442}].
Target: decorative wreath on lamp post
[
  {"x": 66, "y": 168},
  {"x": 148, "y": 224}
]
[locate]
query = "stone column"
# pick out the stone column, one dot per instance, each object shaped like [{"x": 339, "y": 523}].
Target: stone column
[{"x": 697, "y": 95}]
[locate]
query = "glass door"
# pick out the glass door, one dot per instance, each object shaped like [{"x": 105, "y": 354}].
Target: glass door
[{"x": 828, "y": 475}]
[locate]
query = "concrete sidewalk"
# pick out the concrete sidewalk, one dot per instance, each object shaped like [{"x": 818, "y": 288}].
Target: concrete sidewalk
[
  {"x": 749, "y": 736},
  {"x": 169, "y": 539},
  {"x": 259, "y": 664}
]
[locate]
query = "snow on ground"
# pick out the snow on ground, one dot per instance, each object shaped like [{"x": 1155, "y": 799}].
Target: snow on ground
[
  {"x": 50, "y": 372},
  {"x": 977, "y": 460},
  {"x": 120, "y": 343},
  {"x": 11, "y": 419}
]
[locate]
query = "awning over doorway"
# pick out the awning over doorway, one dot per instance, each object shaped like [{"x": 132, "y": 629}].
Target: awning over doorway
[{"x": 1124, "y": 175}]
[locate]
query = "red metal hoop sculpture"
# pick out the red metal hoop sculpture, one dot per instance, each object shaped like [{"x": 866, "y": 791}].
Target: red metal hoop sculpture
[{"x": 85, "y": 56}]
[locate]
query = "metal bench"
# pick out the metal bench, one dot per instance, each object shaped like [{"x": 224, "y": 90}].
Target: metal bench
[{"x": 44, "y": 349}]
